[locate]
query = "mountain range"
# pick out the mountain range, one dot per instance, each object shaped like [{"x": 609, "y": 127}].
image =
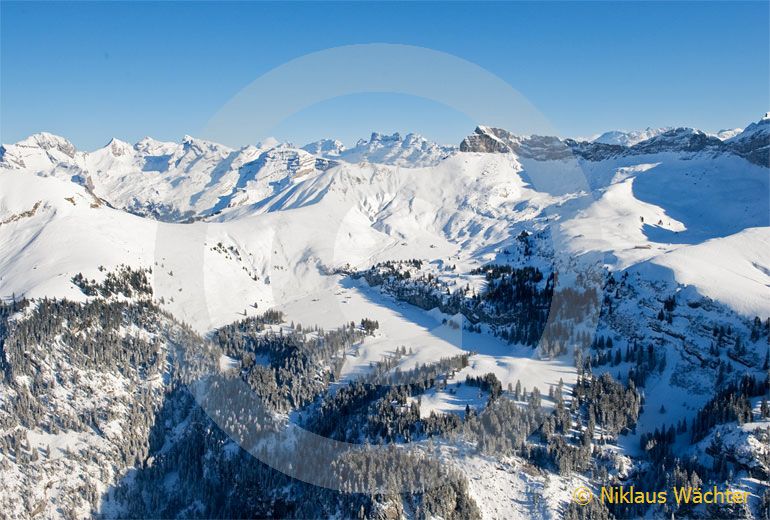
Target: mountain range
[
  {"x": 573, "y": 313},
  {"x": 197, "y": 178}
]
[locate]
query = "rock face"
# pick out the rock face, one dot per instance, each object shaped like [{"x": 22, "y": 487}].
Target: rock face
[
  {"x": 38, "y": 151},
  {"x": 489, "y": 140},
  {"x": 753, "y": 144},
  {"x": 542, "y": 148},
  {"x": 678, "y": 140}
]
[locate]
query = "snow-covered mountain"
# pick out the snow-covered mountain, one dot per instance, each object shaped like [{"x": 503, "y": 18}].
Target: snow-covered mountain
[
  {"x": 38, "y": 152},
  {"x": 633, "y": 203},
  {"x": 164, "y": 180},
  {"x": 676, "y": 140},
  {"x": 726, "y": 134},
  {"x": 197, "y": 178},
  {"x": 325, "y": 147},
  {"x": 674, "y": 180},
  {"x": 410, "y": 151},
  {"x": 754, "y": 141},
  {"x": 629, "y": 284},
  {"x": 622, "y": 138},
  {"x": 633, "y": 137}
]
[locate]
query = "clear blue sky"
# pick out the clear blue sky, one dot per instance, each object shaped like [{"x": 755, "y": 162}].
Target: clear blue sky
[{"x": 90, "y": 71}]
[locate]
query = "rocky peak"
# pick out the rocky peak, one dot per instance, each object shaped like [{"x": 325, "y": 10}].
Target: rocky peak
[
  {"x": 489, "y": 140},
  {"x": 39, "y": 151},
  {"x": 47, "y": 142},
  {"x": 496, "y": 140},
  {"x": 325, "y": 147},
  {"x": 377, "y": 137},
  {"x": 119, "y": 148},
  {"x": 203, "y": 147},
  {"x": 754, "y": 142},
  {"x": 542, "y": 148}
]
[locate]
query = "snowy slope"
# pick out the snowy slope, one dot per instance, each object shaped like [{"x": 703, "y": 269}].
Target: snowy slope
[
  {"x": 740, "y": 262},
  {"x": 754, "y": 141},
  {"x": 661, "y": 202},
  {"x": 51, "y": 230}
]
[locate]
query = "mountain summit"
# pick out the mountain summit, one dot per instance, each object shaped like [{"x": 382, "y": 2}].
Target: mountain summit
[
  {"x": 629, "y": 138},
  {"x": 412, "y": 150}
]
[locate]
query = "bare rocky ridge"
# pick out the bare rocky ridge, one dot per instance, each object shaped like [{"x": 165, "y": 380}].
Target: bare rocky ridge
[{"x": 752, "y": 144}]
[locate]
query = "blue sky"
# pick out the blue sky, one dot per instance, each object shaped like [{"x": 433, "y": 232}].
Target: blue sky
[{"x": 90, "y": 71}]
